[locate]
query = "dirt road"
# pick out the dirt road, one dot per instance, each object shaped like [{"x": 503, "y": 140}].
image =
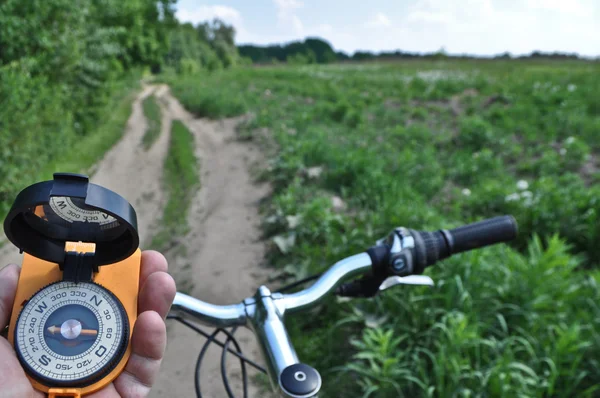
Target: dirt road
[{"x": 219, "y": 261}]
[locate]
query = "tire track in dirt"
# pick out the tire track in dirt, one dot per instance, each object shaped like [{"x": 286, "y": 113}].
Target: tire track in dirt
[
  {"x": 219, "y": 259},
  {"x": 221, "y": 255}
]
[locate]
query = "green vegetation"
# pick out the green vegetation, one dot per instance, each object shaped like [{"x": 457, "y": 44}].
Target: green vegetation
[
  {"x": 204, "y": 98},
  {"x": 153, "y": 116},
  {"x": 181, "y": 180},
  {"x": 364, "y": 148},
  {"x": 66, "y": 65},
  {"x": 208, "y": 46},
  {"x": 310, "y": 51}
]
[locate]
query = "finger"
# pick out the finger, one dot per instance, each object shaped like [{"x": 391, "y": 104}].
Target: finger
[
  {"x": 157, "y": 294},
  {"x": 13, "y": 382},
  {"x": 152, "y": 261},
  {"x": 9, "y": 278},
  {"x": 110, "y": 391},
  {"x": 148, "y": 344}
]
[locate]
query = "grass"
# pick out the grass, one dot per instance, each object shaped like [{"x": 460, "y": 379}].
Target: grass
[
  {"x": 152, "y": 114},
  {"x": 433, "y": 145},
  {"x": 81, "y": 155},
  {"x": 206, "y": 100},
  {"x": 91, "y": 148},
  {"x": 181, "y": 181}
]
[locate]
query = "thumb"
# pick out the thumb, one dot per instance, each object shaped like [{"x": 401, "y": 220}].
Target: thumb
[{"x": 9, "y": 277}]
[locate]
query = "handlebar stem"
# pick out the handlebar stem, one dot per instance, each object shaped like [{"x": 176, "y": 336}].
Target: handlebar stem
[{"x": 265, "y": 317}]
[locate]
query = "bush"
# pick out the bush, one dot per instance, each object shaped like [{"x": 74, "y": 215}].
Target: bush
[{"x": 475, "y": 133}]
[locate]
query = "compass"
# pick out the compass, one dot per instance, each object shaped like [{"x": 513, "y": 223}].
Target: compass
[
  {"x": 70, "y": 334},
  {"x": 76, "y": 301}
]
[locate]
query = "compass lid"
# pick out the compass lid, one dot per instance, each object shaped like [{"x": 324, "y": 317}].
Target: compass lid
[{"x": 46, "y": 215}]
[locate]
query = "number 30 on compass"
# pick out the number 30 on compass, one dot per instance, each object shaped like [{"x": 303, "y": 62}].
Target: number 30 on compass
[{"x": 76, "y": 301}]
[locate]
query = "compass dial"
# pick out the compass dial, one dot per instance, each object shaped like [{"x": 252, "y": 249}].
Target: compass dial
[{"x": 71, "y": 334}]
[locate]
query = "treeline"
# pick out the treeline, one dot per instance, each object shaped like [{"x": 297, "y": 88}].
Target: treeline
[
  {"x": 311, "y": 50},
  {"x": 65, "y": 65},
  {"x": 209, "y": 46},
  {"x": 316, "y": 50}
]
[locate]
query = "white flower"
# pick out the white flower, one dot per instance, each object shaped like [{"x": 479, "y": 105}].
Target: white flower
[
  {"x": 314, "y": 172},
  {"x": 570, "y": 140},
  {"x": 512, "y": 197},
  {"x": 571, "y": 87},
  {"x": 527, "y": 197},
  {"x": 522, "y": 184},
  {"x": 563, "y": 151},
  {"x": 292, "y": 221},
  {"x": 466, "y": 192}
]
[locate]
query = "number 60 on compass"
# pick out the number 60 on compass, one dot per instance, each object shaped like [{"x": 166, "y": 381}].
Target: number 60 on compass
[{"x": 76, "y": 300}]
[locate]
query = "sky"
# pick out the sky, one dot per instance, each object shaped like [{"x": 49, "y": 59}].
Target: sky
[{"x": 480, "y": 27}]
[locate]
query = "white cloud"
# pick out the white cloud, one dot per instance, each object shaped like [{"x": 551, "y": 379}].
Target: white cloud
[
  {"x": 287, "y": 17},
  {"x": 379, "y": 20},
  {"x": 428, "y": 16},
  {"x": 574, "y": 7},
  {"x": 466, "y": 26},
  {"x": 324, "y": 29},
  {"x": 491, "y": 27},
  {"x": 207, "y": 13},
  {"x": 288, "y": 4}
]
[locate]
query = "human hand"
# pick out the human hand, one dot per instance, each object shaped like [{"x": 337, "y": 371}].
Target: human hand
[{"x": 148, "y": 341}]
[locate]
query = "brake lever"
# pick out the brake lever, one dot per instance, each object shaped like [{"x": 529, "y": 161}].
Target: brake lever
[
  {"x": 370, "y": 286},
  {"x": 421, "y": 280}
]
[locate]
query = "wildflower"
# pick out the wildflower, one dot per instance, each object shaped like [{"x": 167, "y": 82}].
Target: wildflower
[
  {"x": 571, "y": 87},
  {"x": 570, "y": 140},
  {"x": 512, "y": 197},
  {"x": 466, "y": 192},
  {"x": 563, "y": 151},
  {"x": 527, "y": 197},
  {"x": 522, "y": 185}
]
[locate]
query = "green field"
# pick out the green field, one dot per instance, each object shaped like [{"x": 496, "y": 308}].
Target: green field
[{"x": 357, "y": 149}]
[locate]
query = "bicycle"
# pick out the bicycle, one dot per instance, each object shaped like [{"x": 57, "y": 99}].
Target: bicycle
[{"x": 400, "y": 258}]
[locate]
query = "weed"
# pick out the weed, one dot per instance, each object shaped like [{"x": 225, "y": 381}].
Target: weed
[
  {"x": 181, "y": 181},
  {"x": 152, "y": 114}
]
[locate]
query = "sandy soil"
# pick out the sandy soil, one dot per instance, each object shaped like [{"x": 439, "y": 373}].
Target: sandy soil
[
  {"x": 223, "y": 252},
  {"x": 219, "y": 261}
]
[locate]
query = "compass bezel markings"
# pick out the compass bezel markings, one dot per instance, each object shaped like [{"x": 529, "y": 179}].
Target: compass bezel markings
[{"x": 87, "y": 371}]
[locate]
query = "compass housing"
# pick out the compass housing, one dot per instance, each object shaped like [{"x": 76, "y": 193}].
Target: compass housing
[
  {"x": 55, "y": 358},
  {"x": 46, "y": 215}
]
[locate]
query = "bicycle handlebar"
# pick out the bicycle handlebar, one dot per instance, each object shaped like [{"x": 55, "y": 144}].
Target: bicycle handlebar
[
  {"x": 404, "y": 252},
  {"x": 434, "y": 246}
]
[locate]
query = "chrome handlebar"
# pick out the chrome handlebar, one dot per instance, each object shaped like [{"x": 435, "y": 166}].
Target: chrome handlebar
[
  {"x": 398, "y": 259},
  {"x": 264, "y": 314}
]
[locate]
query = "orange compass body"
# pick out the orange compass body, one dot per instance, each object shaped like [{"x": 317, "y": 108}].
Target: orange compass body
[{"x": 75, "y": 307}]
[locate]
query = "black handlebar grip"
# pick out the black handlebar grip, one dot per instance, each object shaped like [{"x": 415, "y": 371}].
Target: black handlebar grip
[
  {"x": 482, "y": 233},
  {"x": 430, "y": 247}
]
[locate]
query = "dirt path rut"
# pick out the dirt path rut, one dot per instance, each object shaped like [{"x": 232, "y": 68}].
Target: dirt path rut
[
  {"x": 219, "y": 261},
  {"x": 223, "y": 251}
]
